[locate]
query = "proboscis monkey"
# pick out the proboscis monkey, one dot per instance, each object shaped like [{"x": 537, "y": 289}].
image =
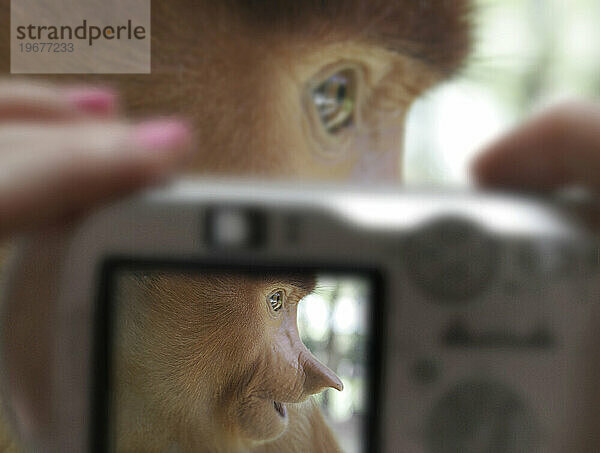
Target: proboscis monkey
[
  {"x": 215, "y": 362},
  {"x": 289, "y": 89}
]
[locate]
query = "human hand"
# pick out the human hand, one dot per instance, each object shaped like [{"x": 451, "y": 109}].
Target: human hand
[
  {"x": 66, "y": 149},
  {"x": 559, "y": 148}
]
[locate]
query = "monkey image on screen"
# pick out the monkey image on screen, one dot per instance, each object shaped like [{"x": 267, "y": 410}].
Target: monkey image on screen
[{"x": 228, "y": 361}]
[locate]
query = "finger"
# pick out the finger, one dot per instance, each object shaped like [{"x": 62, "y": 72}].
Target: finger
[
  {"x": 559, "y": 148},
  {"x": 84, "y": 166},
  {"x": 20, "y": 101}
]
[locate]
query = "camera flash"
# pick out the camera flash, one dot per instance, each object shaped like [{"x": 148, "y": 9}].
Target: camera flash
[{"x": 231, "y": 227}]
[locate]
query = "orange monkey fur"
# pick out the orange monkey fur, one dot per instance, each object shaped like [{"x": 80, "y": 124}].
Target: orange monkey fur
[{"x": 203, "y": 358}]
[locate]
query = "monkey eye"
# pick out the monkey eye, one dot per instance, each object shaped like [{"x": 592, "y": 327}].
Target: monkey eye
[
  {"x": 335, "y": 101},
  {"x": 276, "y": 299}
]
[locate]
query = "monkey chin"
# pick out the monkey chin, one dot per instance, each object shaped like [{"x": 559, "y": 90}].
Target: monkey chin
[{"x": 263, "y": 420}]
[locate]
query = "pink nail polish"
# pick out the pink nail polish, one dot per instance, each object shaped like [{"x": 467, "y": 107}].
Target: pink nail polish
[
  {"x": 162, "y": 133},
  {"x": 93, "y": 100}
]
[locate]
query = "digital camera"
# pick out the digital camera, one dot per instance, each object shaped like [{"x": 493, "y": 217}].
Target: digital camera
[{"x": 456, "y": 321}]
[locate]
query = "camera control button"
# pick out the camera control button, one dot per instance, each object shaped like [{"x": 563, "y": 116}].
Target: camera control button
[{"x": 451, "y": 259}]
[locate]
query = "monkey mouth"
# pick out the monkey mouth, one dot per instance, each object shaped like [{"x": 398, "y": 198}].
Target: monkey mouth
[{"x": 280, "y": 409}]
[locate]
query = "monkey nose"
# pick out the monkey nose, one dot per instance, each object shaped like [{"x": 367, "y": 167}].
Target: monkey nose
[{"x": 319, "y": 377}]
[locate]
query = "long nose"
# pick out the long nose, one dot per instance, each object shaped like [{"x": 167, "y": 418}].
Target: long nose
[
  {"x": 317, "y": 376},
  {"x": 314, "y": 375}
]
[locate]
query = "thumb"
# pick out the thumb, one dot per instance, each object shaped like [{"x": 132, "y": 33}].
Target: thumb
[{"x": 560, "y": 147}]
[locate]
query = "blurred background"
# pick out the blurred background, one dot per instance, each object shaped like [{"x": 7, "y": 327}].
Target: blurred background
[
  {"x": 333, "y": 324},
  {"x": 529, "y": 54}
]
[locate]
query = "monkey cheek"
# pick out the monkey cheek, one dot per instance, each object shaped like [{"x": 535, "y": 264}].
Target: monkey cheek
[{"x": 260, "y": 421}]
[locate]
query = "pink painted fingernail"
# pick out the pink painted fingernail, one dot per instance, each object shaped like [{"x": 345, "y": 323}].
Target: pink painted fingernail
[
  {"x": 161, "y": 134},
  {"x": 93, "y": 100}
]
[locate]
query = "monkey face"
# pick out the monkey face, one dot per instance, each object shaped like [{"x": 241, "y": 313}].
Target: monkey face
[
  {"x": 329, "y": 112},
  {"x": 285, "y": 371},
  {"x": 311, "y": 90},
  {"x": 296, "y": 90},
  {"x": 222, "y": 353}
]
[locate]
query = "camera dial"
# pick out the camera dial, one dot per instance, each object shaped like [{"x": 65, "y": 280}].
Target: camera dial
[
  {"x": 451, "y": 260},
  {"x": 480, "y": 416}
]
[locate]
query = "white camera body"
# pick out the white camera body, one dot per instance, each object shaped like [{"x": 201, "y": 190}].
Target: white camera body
[{"x": 484, "y": 324}]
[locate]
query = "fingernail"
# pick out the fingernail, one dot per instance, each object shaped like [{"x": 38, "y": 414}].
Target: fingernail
[
  {"x": 161, "y": 134},
  {"x": 93, "y": 100}
]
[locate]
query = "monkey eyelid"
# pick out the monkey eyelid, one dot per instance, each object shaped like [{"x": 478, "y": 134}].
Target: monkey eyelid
[
  {"x": 334, "y": 144},
  {"x": 276, "y": 299}
]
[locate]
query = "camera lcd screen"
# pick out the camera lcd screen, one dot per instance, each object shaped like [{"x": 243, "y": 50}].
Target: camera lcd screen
[{"x": 202, "y": 358}]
